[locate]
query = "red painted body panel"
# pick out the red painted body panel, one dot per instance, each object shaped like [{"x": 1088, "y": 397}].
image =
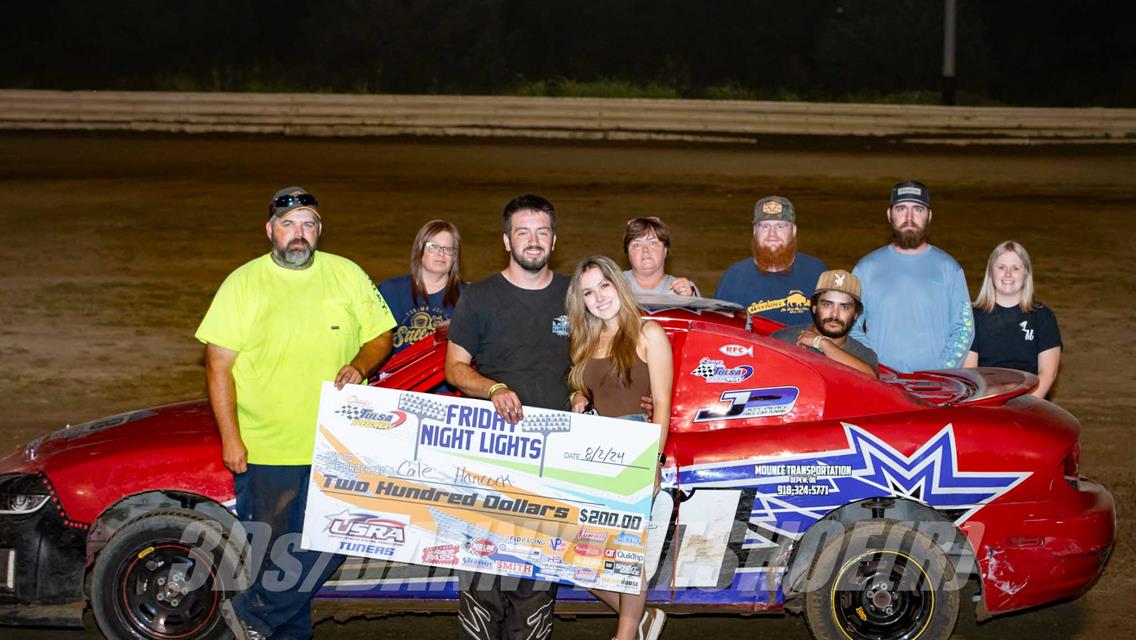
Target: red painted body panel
[
  {"x": 174, "y": 448},
  {"x": 1036, "y": 552},
  {"x": 1043, "y": 540}
]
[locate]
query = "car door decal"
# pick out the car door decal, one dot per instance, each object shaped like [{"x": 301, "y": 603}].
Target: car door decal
[
  {"x": 751, "y": 403},
  {"x": 795, "y": 491},
  {"x": 773, "y": 501}
]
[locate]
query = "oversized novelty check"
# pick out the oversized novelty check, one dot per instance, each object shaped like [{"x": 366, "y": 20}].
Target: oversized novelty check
[{"x": 446, "y": 482}]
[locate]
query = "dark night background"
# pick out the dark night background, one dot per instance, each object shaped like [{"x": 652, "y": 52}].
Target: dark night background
[{"x": 1043, "y": 52}]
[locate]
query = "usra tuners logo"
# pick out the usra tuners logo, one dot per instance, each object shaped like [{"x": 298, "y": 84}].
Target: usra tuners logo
[
  {"x": 360, "y": 414},
  {"x": 366, "y": 527}
]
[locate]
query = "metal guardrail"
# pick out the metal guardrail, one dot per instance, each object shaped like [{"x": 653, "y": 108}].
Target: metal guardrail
[{"x": 551, "y": 118}]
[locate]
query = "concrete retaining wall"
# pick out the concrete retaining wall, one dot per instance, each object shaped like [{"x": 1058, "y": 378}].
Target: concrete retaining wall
[{"x": 555, "y": 118}]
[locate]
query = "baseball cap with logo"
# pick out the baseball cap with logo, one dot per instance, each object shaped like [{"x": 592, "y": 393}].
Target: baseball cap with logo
[
  {"x": 839, "y": 280},
  {"x": 911, "y": 191},
  {"x": 774, "y": 208},
  {"x": 289, "y": 199}
]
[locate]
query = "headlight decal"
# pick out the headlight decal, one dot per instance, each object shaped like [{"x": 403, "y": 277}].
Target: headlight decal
[{"x": 24, "y": 494}]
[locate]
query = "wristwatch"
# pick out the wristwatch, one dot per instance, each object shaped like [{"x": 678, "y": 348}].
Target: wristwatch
[{"x": 662, "y": 458}]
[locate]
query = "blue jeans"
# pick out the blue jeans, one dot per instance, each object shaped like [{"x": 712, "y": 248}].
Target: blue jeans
[{"x": 278, "y": 604}]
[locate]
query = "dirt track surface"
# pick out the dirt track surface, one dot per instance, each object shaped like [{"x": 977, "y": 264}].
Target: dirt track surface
[{"x": 115, "y": 246}]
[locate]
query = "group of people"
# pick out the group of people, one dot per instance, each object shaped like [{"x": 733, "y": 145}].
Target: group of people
[
  {"x": 284, "y": 322},
  {"x": 904, "y": 305}
]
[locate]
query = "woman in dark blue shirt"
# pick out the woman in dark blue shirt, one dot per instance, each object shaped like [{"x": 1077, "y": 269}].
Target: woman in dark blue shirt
[{"x": 424, "y": 299}]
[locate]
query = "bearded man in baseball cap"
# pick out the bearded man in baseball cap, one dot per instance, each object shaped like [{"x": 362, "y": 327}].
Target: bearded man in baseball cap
[
  {"x": 835, "y": 305},
  {"x": 777, "y": 281},
  {"x": 918, "y": 314},
  {"x": 279, "y": 327}
]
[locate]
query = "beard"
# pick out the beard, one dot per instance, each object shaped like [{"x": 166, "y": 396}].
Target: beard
[
  {"x": 295, "y": 255},
  {"x": 534, "y": 264},
  {"x": 824, "y": 329},
  {"x": 910, "y": 237},
  {"x": 778, "y": 259}
]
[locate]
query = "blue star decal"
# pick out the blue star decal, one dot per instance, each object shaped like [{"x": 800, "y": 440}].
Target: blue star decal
[{"x": 793, "y": 492}]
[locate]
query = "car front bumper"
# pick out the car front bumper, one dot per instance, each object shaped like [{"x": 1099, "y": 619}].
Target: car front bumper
[{"x": 42, "y": 562}]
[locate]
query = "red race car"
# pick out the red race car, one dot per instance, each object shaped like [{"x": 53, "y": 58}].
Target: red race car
[{"x": 795, "y": 483}]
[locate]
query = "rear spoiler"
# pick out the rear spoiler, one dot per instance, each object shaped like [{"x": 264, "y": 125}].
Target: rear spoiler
[{"x": 948, "y": 387}]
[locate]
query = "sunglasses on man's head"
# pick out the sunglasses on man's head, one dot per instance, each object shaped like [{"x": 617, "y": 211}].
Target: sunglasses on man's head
[{"x": 302, "y": 199}]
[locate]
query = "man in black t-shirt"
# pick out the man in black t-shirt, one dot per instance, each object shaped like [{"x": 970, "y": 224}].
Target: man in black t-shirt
[
  {"x": 513, "y": 323},
  {"x": 835, "y": 306}
]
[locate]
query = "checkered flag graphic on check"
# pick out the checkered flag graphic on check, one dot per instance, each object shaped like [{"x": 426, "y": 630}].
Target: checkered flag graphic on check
[{"x": 350, "y": 411}]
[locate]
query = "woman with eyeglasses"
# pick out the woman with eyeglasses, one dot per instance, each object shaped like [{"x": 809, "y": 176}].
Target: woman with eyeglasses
[
  {"x": 617, "y": 358},
  {"x": 647, "y": 241},
  {"x": 1011, "y": 329},
  {"x": 424, "y": 299}
]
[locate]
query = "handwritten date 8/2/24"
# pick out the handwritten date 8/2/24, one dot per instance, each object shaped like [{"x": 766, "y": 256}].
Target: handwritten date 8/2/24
[{"x": 603, "y": 454}]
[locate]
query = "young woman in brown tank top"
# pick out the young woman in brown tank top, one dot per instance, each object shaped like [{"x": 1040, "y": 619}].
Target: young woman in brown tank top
[{"x": 617, "y": 357}]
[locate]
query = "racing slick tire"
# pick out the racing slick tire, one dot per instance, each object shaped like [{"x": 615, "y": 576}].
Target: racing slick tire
[
  {"x": 164, "y": 576},
  {"x": 881, "y": 580}
]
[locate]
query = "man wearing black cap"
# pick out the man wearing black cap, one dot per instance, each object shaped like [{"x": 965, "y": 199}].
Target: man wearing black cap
[
  {"x": 778, "y": 280},
  {"x": 917, "y": 313},
  {"x": 278, "y": 327}
]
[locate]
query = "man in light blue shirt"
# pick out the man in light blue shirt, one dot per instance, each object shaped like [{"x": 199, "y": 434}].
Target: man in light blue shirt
[{"x": 917, "y": 312}]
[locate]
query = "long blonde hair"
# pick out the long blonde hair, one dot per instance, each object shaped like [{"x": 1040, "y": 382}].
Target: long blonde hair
[
  {"x": 985, "y": 300},
  {"x": 584, "y": 341}
]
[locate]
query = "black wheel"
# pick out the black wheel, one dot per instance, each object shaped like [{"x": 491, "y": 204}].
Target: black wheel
[
  {"x": 162, "y": 577},
  {"x": 881, "y": 580}
]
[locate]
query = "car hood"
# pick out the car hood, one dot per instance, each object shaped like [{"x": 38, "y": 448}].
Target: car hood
[{"x": 193, "y": 419}]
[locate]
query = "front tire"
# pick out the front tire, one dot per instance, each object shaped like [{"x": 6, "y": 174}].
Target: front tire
[
  {"x": 881, "y": 580},
  {"x": 162, "y": 577}
]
